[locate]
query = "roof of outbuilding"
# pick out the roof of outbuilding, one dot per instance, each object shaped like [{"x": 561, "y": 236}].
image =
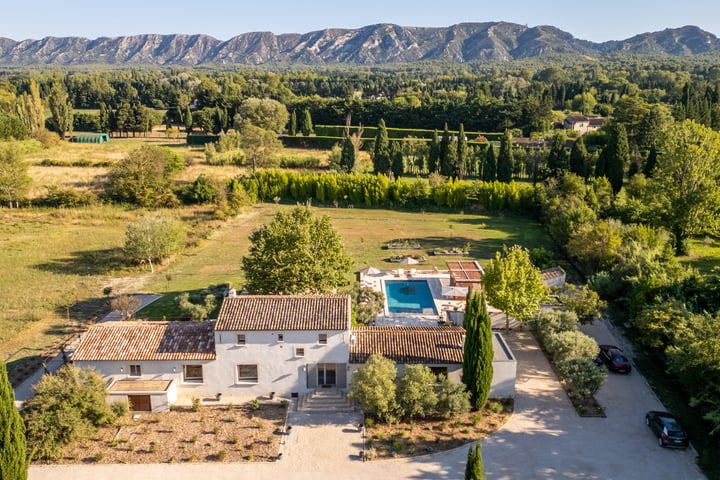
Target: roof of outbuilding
[
  {"x": 284, "y": 312},
  {"x": 408, "y": 345},
  {"x": 138, "y": 341}
]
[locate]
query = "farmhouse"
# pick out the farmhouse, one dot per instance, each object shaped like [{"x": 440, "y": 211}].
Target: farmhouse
[
  {"x": 582, "y": 123},
  {"x": 262, "y": 345}
]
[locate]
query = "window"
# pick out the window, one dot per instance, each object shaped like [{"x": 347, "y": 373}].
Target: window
[
  {"x": 135, "y": 371},
  {"x": 439, "y": 371},
  {"x": 241, "y": 339},
  {"x": 322, "y": 339},
  {"x": 192, "y": 374},
  {"x": 247, "y": 374},
  {"x": 281, "y": 337},
  {"x": 300, "y": 352}
]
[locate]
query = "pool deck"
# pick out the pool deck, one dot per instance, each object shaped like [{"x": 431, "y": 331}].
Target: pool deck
[{"x": 436, "y": 279}]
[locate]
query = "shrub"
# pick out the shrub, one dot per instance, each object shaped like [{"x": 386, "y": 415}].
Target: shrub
[
  {"x": 196, "y": 404},
  {"x": 255, "y": 404},
  {"x": 119, "y": 409},
  {"x": 373, "y": 385},
  {"x": 453, "y": 398},
  {"x": 416, "y": 392},
  {"x": 221, "y": 455},
  {"x": 549, "y": 322},
  {"x": 69, "y": 197},
  {"x": 572, "y": 344},
  {"x": 582, "y": 377}
]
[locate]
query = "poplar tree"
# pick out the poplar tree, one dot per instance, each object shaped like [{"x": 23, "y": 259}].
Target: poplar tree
[
  {"x": 505, "y": 159},
  {"x": 13, "y": 450},
  {"x": 381, "y": 150},
  {"x": 60, "y": 108}
]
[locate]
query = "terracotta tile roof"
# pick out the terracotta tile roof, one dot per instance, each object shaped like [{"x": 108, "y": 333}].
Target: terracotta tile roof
[
  {"x": 553, "y": 273},
  {"x": 137, "y": 341},
  {"x": 408, "y": 345},
  {"x": 284, "y": 312}
]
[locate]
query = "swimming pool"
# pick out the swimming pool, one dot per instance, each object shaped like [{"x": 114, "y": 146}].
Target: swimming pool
[{"x": 409, "y": 296}]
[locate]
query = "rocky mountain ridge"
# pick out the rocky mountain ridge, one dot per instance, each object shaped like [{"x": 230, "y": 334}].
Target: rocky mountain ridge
[{"x": 370, "y": 45}]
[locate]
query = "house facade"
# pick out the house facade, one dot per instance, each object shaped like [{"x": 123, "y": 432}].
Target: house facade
[{"x": 262, "y": 345}]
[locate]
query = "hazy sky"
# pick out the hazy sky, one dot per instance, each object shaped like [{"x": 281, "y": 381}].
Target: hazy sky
[{"x": 596, "y": 21}]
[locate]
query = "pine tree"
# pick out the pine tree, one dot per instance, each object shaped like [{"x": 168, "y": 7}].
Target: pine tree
[
  {"x": 474, "y": 469},
  {"x": 489, "y": 171},
  {"x": 381, "y": 150},
  {"x": 505, "y": 159},
  {"x": 13, "y": 455},
  {"x": 579, "y": 159},
  {"x": 292, "y": 128}
]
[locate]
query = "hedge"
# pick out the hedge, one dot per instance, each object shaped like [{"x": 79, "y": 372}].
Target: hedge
[
  {"x": 369, "y": 133},
  {"x": 202, "y": 139}
]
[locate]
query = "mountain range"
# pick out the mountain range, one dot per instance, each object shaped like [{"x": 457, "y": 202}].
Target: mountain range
[{"x": 370, "y": 45}]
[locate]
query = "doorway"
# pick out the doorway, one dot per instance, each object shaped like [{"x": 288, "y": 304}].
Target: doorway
[
  {"x": 326, "y": 374},
  {"x": 140, "y": 403}
]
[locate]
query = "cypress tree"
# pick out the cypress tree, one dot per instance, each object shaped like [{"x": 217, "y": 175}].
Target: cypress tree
[
  {"x": 188, "y": 119},
  {"x": 397, "y": 166},
  {"x": 489, "y": 171},
  {"x": 306, "y": 126},
  {"x": 13, "y": 450},
  {"x": 474, "y": 469},
  {"x": 557, "y": 158},
  {"x": 579, "y": 159},
  {"x": 478, "y": 350},
  {"x": 471, "y": 346},
  {"x": 381, "y": 150},
  {"x": 347, "y": 155},
  {"x": 617, "y": 156},
  {"x": 292, "y": 127},
  {"x": 462, "y": 153},
  {"x": 650, "y": 162},
  {"x": 434, "y": 154},
  {"x": 485, "y": 374},
  {"x": 505, "y": 159},
  {"x": 446, "y": 166}
]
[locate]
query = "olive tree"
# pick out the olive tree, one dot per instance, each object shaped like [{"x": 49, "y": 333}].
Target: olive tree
[
  {"x": 373, "y": 385},
  {"x": 154, "y": 237}
]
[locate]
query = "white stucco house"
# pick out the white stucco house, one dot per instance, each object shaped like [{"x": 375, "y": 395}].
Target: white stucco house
[{"x": 264, "y": 344}]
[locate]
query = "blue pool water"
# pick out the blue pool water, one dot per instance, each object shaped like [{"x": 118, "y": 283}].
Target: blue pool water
[{"x": 409, "y": 296}]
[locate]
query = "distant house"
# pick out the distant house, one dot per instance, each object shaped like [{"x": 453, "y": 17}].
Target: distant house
[
  {"x": 582, "y": 123},
  {"x": 263, "y": 344},
  {"x": 554, "y": 277}
]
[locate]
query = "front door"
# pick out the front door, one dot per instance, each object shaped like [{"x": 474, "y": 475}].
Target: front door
[{"x": 326, "y": 374}]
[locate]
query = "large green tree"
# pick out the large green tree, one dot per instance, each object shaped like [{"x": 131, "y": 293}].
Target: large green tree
[
  {"x": 13, "y": 454},
  {"x": 514, "y": 285},
  {"x": 374, "y": 386},
  {"x": 265, "y": 113},
  {"x": 478, "y": 350},
  {"x": 489, "y": 170},
  {"x": 144, "y": 177},
  {"x": 579, "y": 159},
  {"x": 67, "y": 406},
  {"x": 296, "y": 253},
  {"x": 686, "y": 183},
  {"x": 153, "y": 238},
  {"x": 14, "y": 179},
  {"x": 260, "y": 145},
  {"x": 416, "y": 392},
  {"x": 306, "y": 123},
  {"x": 557, "y": 160}
]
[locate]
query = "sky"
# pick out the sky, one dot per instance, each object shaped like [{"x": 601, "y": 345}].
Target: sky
[{"x": 594, "y": 21}]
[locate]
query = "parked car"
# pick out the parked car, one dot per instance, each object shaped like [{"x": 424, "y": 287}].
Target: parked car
[
  {"x": 614, "y": 358},
  {"x": 667, "y": 429}
]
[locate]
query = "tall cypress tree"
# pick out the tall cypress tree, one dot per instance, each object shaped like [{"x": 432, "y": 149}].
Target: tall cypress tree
[
  {"x": 306, "y": 125},
  {"x": 474, "y": 469},
  {"x": 292, "y": 127},
  {"x": 650, "y": 162},
  {"x": 478, "y": 350},
  {"x": 397, "y": 165},
  {"x": 462, "y": 153},
  {"x": 617, "y": 156},
  {"x": 505, "y": 159},
  {"x": 347, "y": 155},
  {"x": 434, "y": 154},
  {"x": 489, "y": 171},
  {"x": 381, "y": 150},
  {"x": 13, "y": 450},
  {"x": 446, "y": 166},
  {"x": 557, "y": 158},
  {"x": 579, "y": 159}
]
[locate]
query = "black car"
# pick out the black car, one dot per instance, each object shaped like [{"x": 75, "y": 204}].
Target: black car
[
  {"x": 668, "y": 430},
  {"x": 614, "y": 358}
]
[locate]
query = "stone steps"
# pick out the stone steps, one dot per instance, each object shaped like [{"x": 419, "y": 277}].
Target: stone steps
[{"x": 326, "y": 400}]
